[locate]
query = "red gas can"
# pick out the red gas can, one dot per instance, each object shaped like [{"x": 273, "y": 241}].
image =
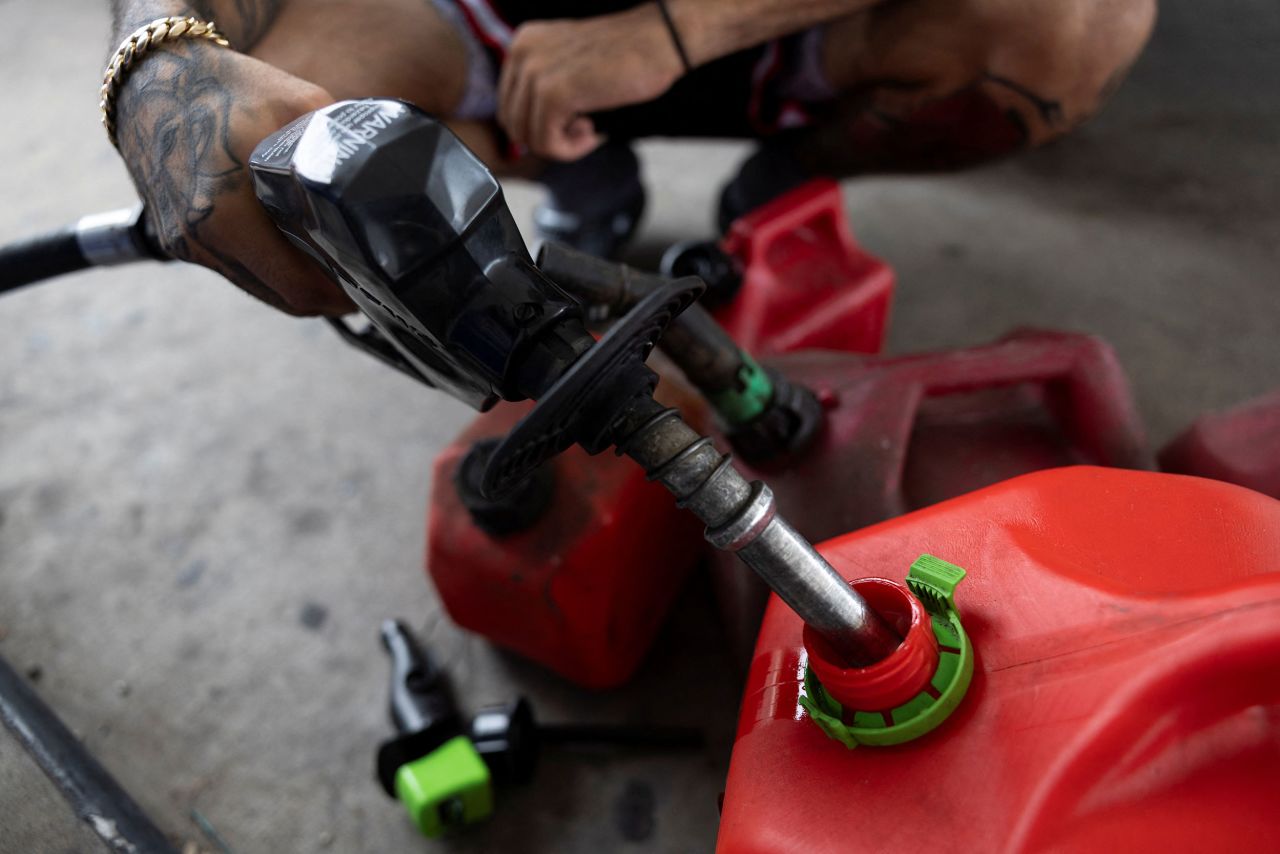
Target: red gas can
[
  {"x": 1241, "y": 446},
  {"x": 806, "y": 283},
  {"x": 907, "y": 432},
  {"x": 1126, "y": 693},
  {"x": 585, "y": 588}
]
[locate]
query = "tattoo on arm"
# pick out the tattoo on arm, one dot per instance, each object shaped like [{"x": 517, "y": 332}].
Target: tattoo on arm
[
  {"x": 933, "y": 132},
  {"x": 1050, "y": 111},
  {"x": 184, "y": 117},
  {"x": 177, "y": 144},
  {"x": 243, "y": 22}
]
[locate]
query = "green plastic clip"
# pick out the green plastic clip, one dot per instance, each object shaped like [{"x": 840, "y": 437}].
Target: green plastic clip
[
  {"x": 447, "y": 788},
  {"x": 934, "y": 582},
  {"x": 742, "y": 404}
]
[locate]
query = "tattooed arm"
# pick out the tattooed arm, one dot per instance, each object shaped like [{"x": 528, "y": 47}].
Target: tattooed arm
[{"x": 187, "y": 119}]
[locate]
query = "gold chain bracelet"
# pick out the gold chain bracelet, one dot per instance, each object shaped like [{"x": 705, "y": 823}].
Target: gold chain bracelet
[{"x": 142, "y": 42}]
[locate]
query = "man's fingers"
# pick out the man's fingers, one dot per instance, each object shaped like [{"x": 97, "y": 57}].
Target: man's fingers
[
  {"x": 297, "y": 286},
  {"x": 546, "y": 117},
  {"x": 556, "y": 129},
  {"x": 506, "y": 82},
  {"x": 244, "y": 245},
  {"x": 577, "y": 139},
  {"x": 518, "y": 106},
  {"x": 512, "y": 95},
  {"x": 305, "y": 289},
  {"x": 299, "y": 281}
]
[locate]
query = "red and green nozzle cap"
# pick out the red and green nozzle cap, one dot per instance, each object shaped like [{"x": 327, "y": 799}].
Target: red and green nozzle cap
[{"x": 911, "y": 692}]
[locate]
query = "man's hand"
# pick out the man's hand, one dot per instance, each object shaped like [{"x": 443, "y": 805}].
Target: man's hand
[
  {"x": 189, "y": 115},
  {"x": 558, "y": 71}
]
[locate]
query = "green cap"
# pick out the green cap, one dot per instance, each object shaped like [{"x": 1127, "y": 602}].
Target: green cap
[
  {"x": 933, "y": 581},
  {"x": 447, "y": 788},
  {"x": 742, "y": 404}
]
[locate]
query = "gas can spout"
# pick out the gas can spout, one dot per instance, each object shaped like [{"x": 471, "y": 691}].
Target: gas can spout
[{"x": 741, "y": 517}]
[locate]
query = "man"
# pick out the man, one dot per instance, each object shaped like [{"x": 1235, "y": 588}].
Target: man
[{"x": 555, "y": 90}]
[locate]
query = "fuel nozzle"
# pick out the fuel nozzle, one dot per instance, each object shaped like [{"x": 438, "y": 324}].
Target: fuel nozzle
[{"x": 414, "y": 228}]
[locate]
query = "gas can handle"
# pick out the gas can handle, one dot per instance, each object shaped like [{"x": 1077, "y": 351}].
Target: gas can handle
[
  {"x": 1106, "y": 425},
  {"x": 750, "y": 237}
]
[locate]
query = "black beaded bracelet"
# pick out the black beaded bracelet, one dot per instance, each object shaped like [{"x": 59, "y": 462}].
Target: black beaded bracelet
[{"x": 675, "y": 35}]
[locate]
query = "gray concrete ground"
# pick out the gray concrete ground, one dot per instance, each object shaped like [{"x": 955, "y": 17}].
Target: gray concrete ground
[{"x": 206, "y": 508}]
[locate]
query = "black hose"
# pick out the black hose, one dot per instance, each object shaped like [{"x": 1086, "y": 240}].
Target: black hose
[
  {"x": 765, "y": 415},
  {"x": 43, "y": 257},
  {"x": 700, "y": 346}
]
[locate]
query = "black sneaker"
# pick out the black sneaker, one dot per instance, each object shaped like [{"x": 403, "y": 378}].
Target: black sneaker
[
  {"x": 602, "y": 234},
  {"x": 594, "y": 204},
  {"x": 768, "y": 173}
]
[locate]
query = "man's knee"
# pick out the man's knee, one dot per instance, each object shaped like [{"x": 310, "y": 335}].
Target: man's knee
[
  {"x": 1058, "y": 69},
  {"x": 943, "y": 84},
  {"x": 390, "y": 48}
]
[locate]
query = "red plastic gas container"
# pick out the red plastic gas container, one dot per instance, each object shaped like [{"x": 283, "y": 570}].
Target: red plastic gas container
[
  {"x": 1240, "y": 446},
  {"x": 1126, "y": 694},
  {"x": 806, "y": 283},
  {"x": 907, "y": 432},
  {"x": 585, "y": 589}
]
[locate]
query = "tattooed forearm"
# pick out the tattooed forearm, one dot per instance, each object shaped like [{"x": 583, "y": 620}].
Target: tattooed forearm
[
  {"x": 187, "y": 117},
  {"x": 180, "y": 153},
  {"x": 176, "y": 141},
  {"x": 243, "y": 22}
]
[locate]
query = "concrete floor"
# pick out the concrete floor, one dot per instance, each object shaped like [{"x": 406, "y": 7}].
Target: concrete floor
[{"x": 206, "y": 508}]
